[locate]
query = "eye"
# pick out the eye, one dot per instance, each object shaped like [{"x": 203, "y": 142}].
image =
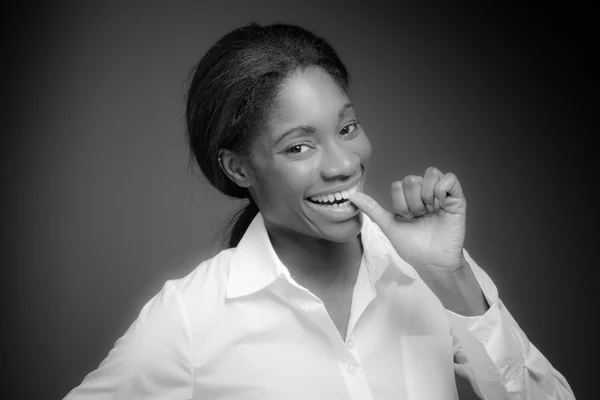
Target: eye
[
  {"x": 298, "y": 148},
  {"x": 350, "y": 128}
]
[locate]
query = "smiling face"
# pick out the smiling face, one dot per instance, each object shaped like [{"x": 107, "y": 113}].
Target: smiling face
[{"x": 312, "y": 147}]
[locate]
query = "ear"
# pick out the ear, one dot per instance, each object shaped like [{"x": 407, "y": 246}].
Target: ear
[{"x": 235, "y": 167}]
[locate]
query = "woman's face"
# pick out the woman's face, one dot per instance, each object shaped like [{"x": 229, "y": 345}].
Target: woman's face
[{"x": 312, "y": 148}]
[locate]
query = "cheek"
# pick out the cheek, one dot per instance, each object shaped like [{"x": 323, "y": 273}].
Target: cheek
[
  {"x": 289, "y": 182},
  {"x": 298, "y": 177}
]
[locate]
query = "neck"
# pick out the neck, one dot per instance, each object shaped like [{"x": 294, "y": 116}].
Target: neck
[{"x": 317, "y": 262}]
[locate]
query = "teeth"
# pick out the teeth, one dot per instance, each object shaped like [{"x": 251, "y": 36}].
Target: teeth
[{"x": 330, "y": 198}]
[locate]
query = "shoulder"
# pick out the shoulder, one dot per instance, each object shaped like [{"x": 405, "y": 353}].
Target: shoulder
[
  {"x": 180, "y": 302},
  {"x": 166, "y": 322},
  {"x": 207, "y": 279},
  {"x": 198, "y": 296}
]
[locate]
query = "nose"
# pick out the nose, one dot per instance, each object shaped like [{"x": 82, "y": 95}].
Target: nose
[{"x": 339, "y": 162}]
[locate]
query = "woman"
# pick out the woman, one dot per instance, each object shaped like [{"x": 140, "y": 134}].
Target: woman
[{"x": 321, "y": 293}]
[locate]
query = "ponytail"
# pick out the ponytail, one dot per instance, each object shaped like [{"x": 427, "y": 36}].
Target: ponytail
[{"x": 238, "y": 225}]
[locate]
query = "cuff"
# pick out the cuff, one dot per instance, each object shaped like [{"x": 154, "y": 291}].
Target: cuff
[
  {"x": 493, "y": 340},
  {"x": 493, "y": 336}
]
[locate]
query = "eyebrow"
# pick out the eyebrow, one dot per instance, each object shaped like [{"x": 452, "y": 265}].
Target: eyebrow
[
  {"x": 310, "y": 129},
  {"x": 343, "y": 110}
]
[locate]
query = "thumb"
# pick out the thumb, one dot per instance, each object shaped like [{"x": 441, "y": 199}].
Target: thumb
[{"x": 370, "y": 207}]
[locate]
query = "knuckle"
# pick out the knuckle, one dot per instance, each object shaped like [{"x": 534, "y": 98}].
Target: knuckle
[
  {"x": 450, "y": 175},
  {"x": 411, "y": 179},
  {"x": 432, "y": 171}
]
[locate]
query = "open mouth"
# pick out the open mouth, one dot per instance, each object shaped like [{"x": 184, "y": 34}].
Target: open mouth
[{"x": 335, "y": 200}]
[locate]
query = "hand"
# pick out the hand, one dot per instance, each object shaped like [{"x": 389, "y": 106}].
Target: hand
[{"x": 428, "y": 227}]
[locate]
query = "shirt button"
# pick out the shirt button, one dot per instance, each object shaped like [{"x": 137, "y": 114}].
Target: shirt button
[
  {"x": 350, "y": 344},
  {"x": 352, "y": 369}
]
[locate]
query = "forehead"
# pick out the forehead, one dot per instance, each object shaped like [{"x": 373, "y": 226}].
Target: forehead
[{"x": 308, "y": 96}]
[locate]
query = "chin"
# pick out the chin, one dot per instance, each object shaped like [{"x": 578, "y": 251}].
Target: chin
[{"x": 342, "y": 232}]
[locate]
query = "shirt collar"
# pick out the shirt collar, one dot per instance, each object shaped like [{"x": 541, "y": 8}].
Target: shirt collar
[{"x": 255, "y": 265}]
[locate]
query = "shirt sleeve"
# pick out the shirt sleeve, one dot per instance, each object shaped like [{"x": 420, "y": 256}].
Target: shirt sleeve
[
  {"x": 494, "y": 354},
  {"x": 152, "y": 360}
]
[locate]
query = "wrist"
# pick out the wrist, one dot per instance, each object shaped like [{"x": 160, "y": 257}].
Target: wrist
[{"x": 456, "y": 288}]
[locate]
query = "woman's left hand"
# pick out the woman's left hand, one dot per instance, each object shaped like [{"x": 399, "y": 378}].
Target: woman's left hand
[{"x": 427, "y": 228}]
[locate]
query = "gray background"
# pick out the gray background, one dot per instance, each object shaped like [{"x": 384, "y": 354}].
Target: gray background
[{"x": 99, "y": 206}]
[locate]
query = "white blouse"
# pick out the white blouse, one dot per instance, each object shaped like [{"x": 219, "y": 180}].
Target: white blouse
[{"x": 239, "y": 327}]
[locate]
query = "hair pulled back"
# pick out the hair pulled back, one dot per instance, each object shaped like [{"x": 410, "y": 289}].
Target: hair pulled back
[{"x": 232, "y": 92}]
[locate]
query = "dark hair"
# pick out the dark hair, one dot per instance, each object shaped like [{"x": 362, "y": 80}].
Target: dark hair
[{"x": 232, "y": 92}]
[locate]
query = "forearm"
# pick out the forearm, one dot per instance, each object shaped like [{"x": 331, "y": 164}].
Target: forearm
[
  {"x": 497, "y": 357},
  {"x": 458, "y": 290}
]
